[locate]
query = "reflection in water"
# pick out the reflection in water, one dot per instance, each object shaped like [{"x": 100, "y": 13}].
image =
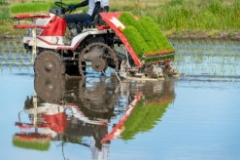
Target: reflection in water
[
  {"x": 73, "y": 110},
  {"x": 149, "y": 108}
]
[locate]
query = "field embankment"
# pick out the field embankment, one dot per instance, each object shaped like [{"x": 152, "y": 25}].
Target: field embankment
[{"x": 184, "y": 19}]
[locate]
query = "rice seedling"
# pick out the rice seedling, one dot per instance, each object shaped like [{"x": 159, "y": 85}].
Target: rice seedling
[
  {"x": 5, "y": 57},
  {"x": 18, "y": 50},
  {"x": 1, "y": 50},
  {"x": 28, "y": 68},
  {"x": 14, "y": 60},
  {"x": 11, "y": 43},
  {"x": 144, "y": 39},
  {"x": 19, "y": 66},
  {"x": 155, "y": 34},
  {"x": 21, "y": 59},
  {"x": 135, "y": 39},
  {"x": 214, "y": 58},
  {"x": 15, "y": 50},
  {"x": 38, "y": 7},
  {"x": 30, "y": 58},
  {"x": 10, "y": 67},
  {"x": 24, "y": 52},
  {"x": 4, "y": 43},
  {"x": 30, "y": 8},
  {"x": 12, "y": 57}
]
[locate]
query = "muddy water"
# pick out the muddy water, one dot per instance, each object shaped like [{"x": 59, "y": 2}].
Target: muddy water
[{"x": 195, "y": 116}]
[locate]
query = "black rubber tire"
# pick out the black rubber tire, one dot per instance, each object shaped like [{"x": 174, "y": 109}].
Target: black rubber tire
[
  {"x": 49, "y": 89},
  {"x": 49, "y": 63}
]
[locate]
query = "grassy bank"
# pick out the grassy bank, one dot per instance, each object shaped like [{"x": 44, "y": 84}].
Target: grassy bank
[{"x": 174, "y": 17}]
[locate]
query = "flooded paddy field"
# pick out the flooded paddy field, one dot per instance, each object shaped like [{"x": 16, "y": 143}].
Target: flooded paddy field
[{"x": 194, "y": 116}]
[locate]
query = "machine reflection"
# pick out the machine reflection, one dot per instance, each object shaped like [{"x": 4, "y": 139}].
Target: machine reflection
[{"x": 90, "y": 112}]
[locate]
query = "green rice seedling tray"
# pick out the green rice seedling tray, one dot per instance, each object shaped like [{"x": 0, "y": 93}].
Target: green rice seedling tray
[{"x": 145, "y": 36}]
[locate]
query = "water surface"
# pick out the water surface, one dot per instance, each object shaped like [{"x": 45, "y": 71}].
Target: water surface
[{"x": 195, "y": 116}]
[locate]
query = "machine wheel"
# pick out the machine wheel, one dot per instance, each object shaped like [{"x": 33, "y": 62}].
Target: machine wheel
[
  {"x": 49, "y": 63},
  {"x": 49, "y": 89},
  {"x": 100, "y": 56}
]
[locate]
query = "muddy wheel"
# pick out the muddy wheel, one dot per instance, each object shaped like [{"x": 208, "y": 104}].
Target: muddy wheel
[
  {"x": 49, "y": 89},
  {"x": 100, "y": 56},
  {"x": 49, "y": 63}
]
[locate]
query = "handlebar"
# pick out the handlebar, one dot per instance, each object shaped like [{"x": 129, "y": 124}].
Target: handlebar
[{"x": 64, "y": 7}]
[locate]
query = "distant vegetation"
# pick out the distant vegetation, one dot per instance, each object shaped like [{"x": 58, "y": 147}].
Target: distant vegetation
[
  {"x": 3, "y": 3},
  {"x": 171, "y": 15},
  {"x": 188, "y": 14}
]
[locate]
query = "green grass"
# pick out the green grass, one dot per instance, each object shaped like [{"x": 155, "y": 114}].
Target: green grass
[
  {"x": 169, "y": 14},
  {"x": 4, "y": 14},
  {"x": 174, "y": 17},
  {"x": 201, "y": 16},
  {"x": 6, "y": 28},
  {"x": 180, "y": 15},
  {"x": 3, "y": 3}
]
